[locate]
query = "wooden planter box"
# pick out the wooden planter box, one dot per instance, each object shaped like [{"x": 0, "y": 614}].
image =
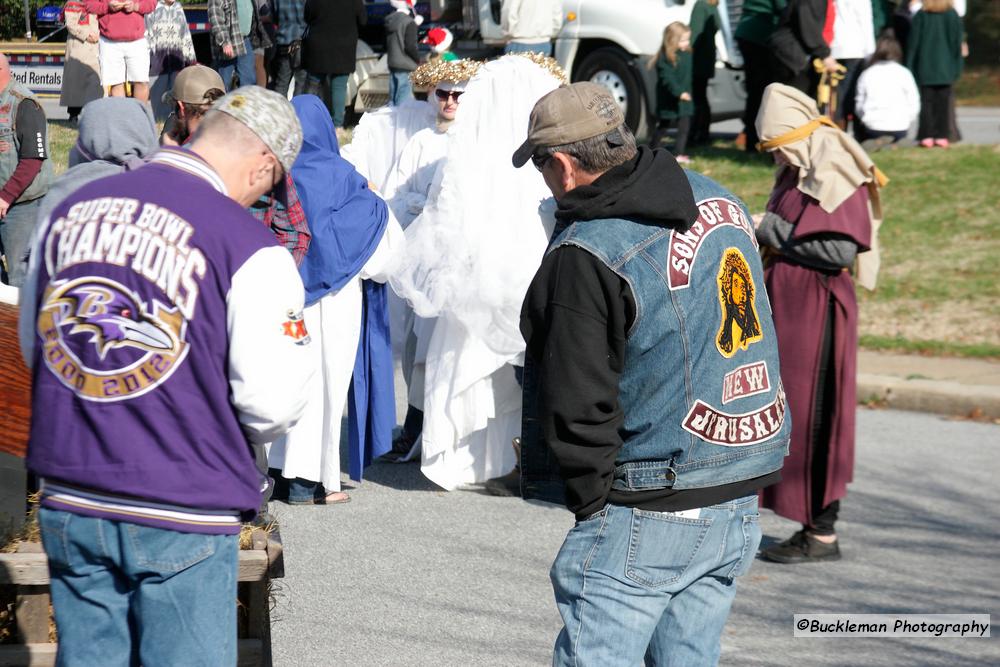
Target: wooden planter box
[{"x": 28, "y": 574}]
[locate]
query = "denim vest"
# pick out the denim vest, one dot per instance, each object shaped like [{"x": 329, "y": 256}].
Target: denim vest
[
  {"x": 10, "y": 100},
  {"x": 700, "y": 388}
]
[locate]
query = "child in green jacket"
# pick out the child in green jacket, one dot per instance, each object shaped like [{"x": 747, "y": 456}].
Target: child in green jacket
[
  {"x": 674, "y": 103},
  {"x": 934, "y": 55}
]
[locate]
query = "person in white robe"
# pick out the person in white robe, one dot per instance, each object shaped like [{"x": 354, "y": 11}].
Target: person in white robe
[
  {"x": 470, "y": 256},
  {"x": 355, "y": 239},
  {"x": 406, "y": 192}
]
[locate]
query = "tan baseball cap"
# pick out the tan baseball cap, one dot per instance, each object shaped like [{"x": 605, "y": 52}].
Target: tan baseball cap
[
  {"x": 192, "y": 83},
  {"x": 568, "y": 114}
]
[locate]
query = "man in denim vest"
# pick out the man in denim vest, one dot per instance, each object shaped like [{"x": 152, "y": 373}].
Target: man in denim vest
[
  {"x": 653, "y": 400},
  {"x": 25, "y": 170}
]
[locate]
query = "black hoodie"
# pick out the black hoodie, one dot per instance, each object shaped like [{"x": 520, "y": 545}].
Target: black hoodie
[{"x": 574, "y": 320}]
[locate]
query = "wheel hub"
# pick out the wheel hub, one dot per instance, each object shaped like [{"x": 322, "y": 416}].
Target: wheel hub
[{"x": 615, "y": 86}]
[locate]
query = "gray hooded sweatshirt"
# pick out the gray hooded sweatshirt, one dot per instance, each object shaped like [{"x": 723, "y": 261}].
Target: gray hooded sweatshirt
[{"x": 116, "y": 134}]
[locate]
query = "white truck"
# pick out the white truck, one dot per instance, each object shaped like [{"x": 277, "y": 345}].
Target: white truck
[{"x": 611, "y": 42}]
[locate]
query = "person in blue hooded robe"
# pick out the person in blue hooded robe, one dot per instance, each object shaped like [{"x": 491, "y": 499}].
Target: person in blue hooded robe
[{"x": 354, "y": 244}]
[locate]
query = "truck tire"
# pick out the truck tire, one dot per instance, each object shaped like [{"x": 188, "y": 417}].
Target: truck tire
[{"x": 610, "y": 67}]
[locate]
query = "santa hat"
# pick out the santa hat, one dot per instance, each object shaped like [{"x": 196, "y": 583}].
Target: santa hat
[
  {"x": 439, "y": 39},
  {"x": 405, "y": 5}
]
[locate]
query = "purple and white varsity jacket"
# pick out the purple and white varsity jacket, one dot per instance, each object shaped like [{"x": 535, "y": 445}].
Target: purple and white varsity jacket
[{"x": 163, "y": 326}]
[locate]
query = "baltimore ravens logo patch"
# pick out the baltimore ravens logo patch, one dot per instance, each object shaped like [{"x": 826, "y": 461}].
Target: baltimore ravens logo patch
[
  {"x": 105, "y": 343},
  {"x": 740, "y": 325}
]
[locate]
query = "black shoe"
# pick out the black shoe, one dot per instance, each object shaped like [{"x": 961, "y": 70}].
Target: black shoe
[
  {"x": 801, "y": 548},
  {"x": 509, "y": 485},
  {"x": 401, "y": 446}
]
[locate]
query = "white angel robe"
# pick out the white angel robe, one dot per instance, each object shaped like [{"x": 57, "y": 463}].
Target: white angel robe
[
  {"x": 381, "y": 136},
  {"x": 469, "y": 258},
  {"x": 406, "y": 193},
  {"x": 311, "y": 449}
]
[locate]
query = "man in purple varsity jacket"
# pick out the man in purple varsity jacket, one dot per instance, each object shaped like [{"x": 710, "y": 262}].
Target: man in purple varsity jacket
[{"x": 164, "y": 328}]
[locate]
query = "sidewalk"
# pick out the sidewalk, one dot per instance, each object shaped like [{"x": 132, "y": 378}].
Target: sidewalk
[{"x": 942, "y": 385}]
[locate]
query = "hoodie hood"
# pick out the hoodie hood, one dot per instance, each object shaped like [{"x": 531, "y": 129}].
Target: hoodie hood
[
  {"x": 651, "y": 188},
  {"x": 116, "y": 134},
  {"x": 116, "y": 130}
]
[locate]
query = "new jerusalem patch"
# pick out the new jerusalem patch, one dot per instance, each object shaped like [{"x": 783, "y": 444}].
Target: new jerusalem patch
[
  {"x": 736, "y": 430},
  {"x": 748, "y": 380},
  {"x": 740, "y": 324},
  {"x": 295, "y": 328}
]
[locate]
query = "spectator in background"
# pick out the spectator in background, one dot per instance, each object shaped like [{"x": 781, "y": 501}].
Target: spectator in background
[
  {"x": 262, "y": 39},
  {"x": 758, "y": 21},
  {"x": 440, "y": 40},
  {"x": 704, "y": 24},
  {"x": 853, "y": 41},
  {"x": 887, "y": 100},
  {"x": 674, "y": 102},
  {"x": 124, "y": 52},
  {"x": 401, "y": 49},
  {"x": 232, "y": 52},
  {"x": 530, "y": 25},
  {"x": 803, "y": 36},
  {"x": 287, "y": 63},
  {"x": 81, "y": 72},
  {"x": 195, "y": 89},
  {"x": 170, "y": 49},
  {"x": 934, "y": 55},
  {"x": 329, "y": 51},
  {"x": 25, "y": 170}
]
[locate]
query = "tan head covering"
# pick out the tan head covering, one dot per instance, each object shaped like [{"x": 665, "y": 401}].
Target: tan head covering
[{"x": 832, "y": 165}]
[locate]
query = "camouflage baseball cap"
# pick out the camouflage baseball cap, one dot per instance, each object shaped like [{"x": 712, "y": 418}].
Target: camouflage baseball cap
[{"x": 270, "y": 116}]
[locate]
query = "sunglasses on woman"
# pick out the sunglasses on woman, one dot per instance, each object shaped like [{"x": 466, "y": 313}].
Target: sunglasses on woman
[{"x": 443, "y": 95}]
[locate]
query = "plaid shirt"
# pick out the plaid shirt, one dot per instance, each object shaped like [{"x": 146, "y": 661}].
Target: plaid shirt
[
  {"x": 225, "y": 23},
  {"x": 288, "y": 223},
  {"x": 291, "y": 21}
]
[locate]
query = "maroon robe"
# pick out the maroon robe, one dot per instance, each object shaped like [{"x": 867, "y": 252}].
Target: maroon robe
[{"x": 799, "y": 302}]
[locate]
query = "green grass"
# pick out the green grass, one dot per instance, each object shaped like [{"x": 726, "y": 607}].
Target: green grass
[
  {"x": 939, "y": 287},
  {"x": 979, "y": 87}
]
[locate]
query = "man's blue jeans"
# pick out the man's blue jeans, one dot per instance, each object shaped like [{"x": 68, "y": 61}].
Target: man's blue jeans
[
  {"x": 126, "y": 594},
  {"x": 16, "y": 230},
  {"x": 632, "y": 584},
  {"x": 400, "y": 89},
  {"x": 245, "y": 66}
]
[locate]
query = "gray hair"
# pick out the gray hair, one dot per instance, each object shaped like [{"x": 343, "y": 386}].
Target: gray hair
[{"x": 601, "y": 153}]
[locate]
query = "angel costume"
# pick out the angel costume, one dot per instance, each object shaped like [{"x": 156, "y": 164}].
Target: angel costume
[
  {"x": 494, "y": 222},
  {"x": 381, "y": 136}
]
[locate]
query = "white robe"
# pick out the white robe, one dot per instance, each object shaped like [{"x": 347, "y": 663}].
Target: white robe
[
  {"x": 470, "y": 256},
  {"x": 311, "y": 450},
  {"x": 406, "y": 193},
  {"x": 381, "y": 136}
]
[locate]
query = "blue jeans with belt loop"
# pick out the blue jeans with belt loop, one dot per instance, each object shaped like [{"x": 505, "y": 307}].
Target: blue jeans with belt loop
[
  {"x": 634, "y": 585},
  {"x": 125, "y": 594}
]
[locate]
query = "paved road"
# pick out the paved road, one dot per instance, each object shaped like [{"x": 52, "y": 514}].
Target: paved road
[{"x": 409, "y": 575}]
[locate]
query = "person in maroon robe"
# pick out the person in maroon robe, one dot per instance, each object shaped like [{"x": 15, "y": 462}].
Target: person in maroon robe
[{"x": 822, "y": 213}]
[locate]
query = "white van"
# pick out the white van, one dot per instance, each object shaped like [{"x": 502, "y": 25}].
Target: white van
[{"x": 611, "y": 42}]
